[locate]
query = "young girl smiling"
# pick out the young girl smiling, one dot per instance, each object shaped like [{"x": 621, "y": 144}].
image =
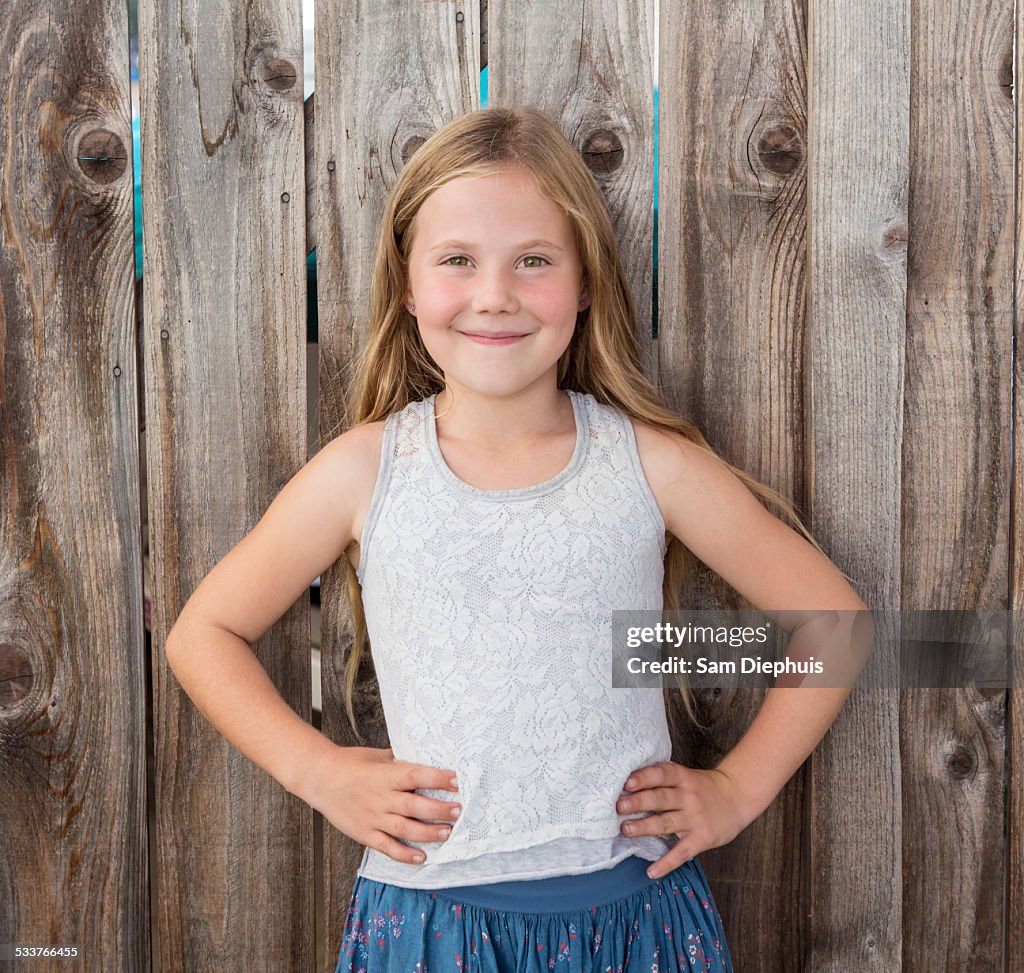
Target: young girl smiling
[{"x": 511, "y": 477}]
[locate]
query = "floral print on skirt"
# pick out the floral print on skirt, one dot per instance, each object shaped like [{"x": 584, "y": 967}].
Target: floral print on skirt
[{"x": 671, "y": 924}]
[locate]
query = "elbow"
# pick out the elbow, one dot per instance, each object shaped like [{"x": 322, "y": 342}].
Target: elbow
[
  {"x": 171, "y": 649},
  {"x": 864, "y": 632},
  {"x": 175, "y": 644}
]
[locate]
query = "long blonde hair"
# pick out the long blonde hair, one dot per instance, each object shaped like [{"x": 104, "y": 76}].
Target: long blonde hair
[{"x": 394, "y": 368}]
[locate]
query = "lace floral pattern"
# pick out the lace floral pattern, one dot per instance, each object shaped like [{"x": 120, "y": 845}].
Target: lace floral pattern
[{"x": 489, "y": 615}]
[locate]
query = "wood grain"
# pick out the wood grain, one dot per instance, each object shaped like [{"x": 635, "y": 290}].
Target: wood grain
[
  {"x": 956, "y": 471},
  {"x": 224, "y": 237},
  {"x": 858, "y": 201},
  {"x": 731, "y": 342},
  {"x": 73, "y": 865},
  {"x": 1008, "y": 77}
]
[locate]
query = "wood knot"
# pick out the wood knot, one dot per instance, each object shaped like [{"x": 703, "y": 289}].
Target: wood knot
[
  {"x": 780, "y": 149},
  {"x": 603, "y": 151},
  {"x": 895, "y": 238},
  {"x": 410, "y": 146},
  {"x": 279, "y": 74},
  {"x": 1004, "y": 74},
  {"x": 102, "y": 156},
  {"x": 15, "y": 675},
  {"x": 961, "y": 762}
]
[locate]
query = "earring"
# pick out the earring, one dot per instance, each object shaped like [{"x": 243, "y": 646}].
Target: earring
[{"x": 412, "y": 307}]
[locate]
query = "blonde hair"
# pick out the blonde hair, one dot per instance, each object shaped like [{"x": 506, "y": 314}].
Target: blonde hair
[{"x": 394, "y": 368}]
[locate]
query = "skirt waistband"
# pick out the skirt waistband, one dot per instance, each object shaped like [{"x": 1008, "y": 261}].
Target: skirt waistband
[{"x": 559, "y": 892}]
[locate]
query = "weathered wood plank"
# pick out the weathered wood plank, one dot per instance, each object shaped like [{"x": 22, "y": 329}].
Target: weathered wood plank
[
  {"x": 72, "y": 679},
  {"x": 732, "y": 291},
  {"x": 956, "y": 470},
  {"x": 590, "y": 66},
  {"x": 388, "y": 76},
  {"x": 224, "y": 231},
  {"x": 858, "y": 185},
  {"x": 309, "y": 127},
  {"x": 1008, "y": 76}
]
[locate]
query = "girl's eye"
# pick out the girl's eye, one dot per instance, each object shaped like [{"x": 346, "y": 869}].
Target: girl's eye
[
  {"x": 535, "y": 257},
  {"x": 456, "y": 257}
]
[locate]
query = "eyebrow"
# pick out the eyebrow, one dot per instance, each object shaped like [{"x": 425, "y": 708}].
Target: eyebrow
[{"x": 462, "y": 245}]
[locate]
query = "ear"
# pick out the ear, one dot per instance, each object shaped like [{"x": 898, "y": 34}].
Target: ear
[
  {"x": 584, "y": 294},
  {"x": 408, "y": 300}
]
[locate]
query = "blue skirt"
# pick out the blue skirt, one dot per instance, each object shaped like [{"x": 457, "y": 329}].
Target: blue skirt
[{"x": 569, "y": 923}]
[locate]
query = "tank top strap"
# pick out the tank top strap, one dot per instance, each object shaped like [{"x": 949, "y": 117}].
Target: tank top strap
[
  {"x": 408, "y": 429},
  {"x": 614, "y": 452}
]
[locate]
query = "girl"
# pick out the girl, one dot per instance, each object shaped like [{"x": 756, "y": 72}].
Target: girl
[{"x": 510, "y": 478}]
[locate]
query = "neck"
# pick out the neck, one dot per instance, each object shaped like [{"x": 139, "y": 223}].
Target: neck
[{"x": 502, "y": 420}]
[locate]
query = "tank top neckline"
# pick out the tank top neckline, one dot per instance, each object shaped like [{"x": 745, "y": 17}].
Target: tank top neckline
[{"x": 536, "y": 489}]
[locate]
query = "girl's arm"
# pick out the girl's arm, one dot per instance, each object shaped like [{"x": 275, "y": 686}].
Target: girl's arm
[
  {"x": 364, "y": 792},
  {"x": 222, "y": 676},
  {"x": 717, "y": 518},
  {"x": 306, "y": 528},
  {"x": 787, "y": 728}
]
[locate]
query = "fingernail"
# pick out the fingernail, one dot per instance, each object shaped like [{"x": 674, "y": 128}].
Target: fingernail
[
  {"x": 455, "y": 782},
  {"x": 417, "y": 858},
  {"x": 444, "y": 832},
  {"x": 456, "y": 812},
  {"x": 631, "y": 782},
  {"x": 652, "y": 872}
]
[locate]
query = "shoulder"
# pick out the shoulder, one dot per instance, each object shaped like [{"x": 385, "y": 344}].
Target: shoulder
[
  {"x": 669, "y": 458},
  {"x": 351, "y": 462},
  {"x": 699, "y": 496},
  {"x": 720, "y": 520},
  {"x": 358, "y": 446},
  {"x": 334, "y": 481}
]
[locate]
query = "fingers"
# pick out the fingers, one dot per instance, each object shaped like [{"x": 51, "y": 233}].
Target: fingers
[
  {"x": 671, "y": 860},
  {"x": 427, "y": 808},
  {"x": 654, "y": 824},
  {"x": 656, "y": 775},
  {"x": 408, "y": 830},
  {"x": 409, "y": 817},
  {"x": 412, "y": 777},
  {"x": 384, "y": 843},
  {"x": 658, "y": 799}
]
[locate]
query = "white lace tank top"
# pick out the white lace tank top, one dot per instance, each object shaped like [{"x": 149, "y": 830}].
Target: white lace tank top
[{"x": 489, "y": 617}]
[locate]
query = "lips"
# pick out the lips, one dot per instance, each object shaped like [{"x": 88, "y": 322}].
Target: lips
[{"x": 493, "y": 338}]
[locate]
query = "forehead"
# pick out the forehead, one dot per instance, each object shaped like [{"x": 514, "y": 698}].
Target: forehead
[{"x": 511, "y": 194}]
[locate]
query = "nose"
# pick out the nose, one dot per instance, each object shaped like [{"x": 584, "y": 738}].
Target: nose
[{"x": 494, "y": 293}]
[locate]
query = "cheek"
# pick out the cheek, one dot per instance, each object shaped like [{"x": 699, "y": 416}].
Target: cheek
[
  {"x": 436, "y": 320},
  {"x": 436, "y": 336},
  {"x": 437, "y": 298},
  {"x": 560, "y": 296}
]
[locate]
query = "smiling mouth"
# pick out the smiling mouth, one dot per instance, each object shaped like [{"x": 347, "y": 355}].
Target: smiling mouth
[{"x": 501, "y": 338}]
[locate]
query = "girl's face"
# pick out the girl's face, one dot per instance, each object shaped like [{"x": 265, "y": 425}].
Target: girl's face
[{"x": 493, "y": 256}]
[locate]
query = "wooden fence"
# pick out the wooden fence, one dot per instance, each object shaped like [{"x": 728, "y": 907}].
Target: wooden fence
[{"x": 837, "y": 238}]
